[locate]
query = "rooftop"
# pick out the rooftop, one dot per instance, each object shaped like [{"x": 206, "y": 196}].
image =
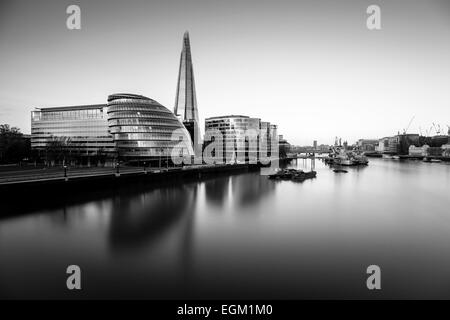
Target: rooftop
[
  {"x": 228, "y": 116},
  {"x": 70, "y": 108},
  {"x": 126, "y": 96}
]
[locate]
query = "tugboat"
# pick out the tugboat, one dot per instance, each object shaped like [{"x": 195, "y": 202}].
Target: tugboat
[
  {"x": 302, "y": 176},
  {"x": 293, "y": 175},
  {"x": 340, "y": 171}
]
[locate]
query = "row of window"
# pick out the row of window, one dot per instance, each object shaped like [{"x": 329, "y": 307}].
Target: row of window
[
  {"x": 150, "y": 129},
  {"x": 73, "y": 139},
  {"x": 77, "y": 146},
  {"x": 137, "y": 107},
  {"x": 147, "y": 144},
  {"x": 154, "y": 152},
  {"x": 138, "y": 114},
  {"x": 70, "y": 114},
  {"x": 141, "y": 136},
  {"x": 147, "y": 122}
]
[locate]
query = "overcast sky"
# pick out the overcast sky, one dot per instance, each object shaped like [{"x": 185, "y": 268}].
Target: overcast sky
[{"x": 312, "y": 67}]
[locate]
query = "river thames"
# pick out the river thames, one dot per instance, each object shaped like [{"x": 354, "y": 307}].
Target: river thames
[{"x": 242, "y": 236}]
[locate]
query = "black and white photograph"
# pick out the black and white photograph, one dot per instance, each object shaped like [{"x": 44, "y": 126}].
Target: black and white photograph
[{"x": 212, "y": 150}]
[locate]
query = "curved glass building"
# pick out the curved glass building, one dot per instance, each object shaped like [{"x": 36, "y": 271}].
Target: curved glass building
[{"x": 144, "y": 129}]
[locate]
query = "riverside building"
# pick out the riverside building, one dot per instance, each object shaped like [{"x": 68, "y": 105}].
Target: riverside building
[
  {"x": 69, "y": 133},
  {"x": 242, "y": 138},
  {"x": 130, "y": 128}
]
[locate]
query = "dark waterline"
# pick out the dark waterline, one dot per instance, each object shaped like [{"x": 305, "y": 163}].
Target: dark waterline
[{"x": 243, "y": 236}]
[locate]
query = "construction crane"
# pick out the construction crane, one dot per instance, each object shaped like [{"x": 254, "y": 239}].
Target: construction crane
[
  {"x": 448, "y": 132},
  {"x": 438, "y": 131},
  {"x": 409, "y": 124}
]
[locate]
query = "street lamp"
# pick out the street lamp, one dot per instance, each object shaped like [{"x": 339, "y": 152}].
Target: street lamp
[
  {"x": 65, "y": 172},
  {"x": 160, "y": 154}
]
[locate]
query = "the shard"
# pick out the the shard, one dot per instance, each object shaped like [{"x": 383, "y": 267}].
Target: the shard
[{"x": 186, "y": 101}]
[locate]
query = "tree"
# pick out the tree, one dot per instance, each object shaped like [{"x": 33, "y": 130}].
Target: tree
[
  {"x": 13, "y": 146},
  {"x": 57, "y": 149}
]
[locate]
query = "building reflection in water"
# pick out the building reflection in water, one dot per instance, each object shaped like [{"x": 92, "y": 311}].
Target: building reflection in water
[
  {"x": 140, "y": 219},
  {"x": 248, "y": 189},
  {"x": 216, "y": 190},
  {"x": 239, "y": 190}
]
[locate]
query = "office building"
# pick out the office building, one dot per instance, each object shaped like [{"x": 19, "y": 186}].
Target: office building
[
  {"x": 245, "y": 139},
  {"x": 71, "y": 132},
  {"x": 129, "y": 128}
]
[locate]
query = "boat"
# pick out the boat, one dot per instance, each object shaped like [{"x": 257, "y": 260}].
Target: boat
[
  {"x": 302, "y": 176},
  {"x": 292, "y": 174},
  {"x": 341, "y": 157},
  {"x": 360, "y": 159},
  {"x": 340, "y": 170},
  {"x": 436, "y": 160}
]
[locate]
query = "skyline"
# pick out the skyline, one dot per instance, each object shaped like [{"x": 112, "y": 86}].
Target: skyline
[{"x": 315, "y": 71}]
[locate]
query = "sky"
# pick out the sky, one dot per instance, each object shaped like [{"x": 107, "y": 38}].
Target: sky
[{"x": 311, "y": 67}]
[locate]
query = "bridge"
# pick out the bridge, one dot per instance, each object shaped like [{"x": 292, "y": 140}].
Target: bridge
[{"x": 317, "y": 154}]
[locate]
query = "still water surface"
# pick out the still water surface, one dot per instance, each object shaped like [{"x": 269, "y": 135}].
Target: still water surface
[{"x": 243, "y": 236}]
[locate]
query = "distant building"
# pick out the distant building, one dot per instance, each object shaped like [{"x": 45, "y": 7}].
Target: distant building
[
  {"x": 434, "y": 151},
  {"x": 405, "y": 141},
  {"x": 324, "y": 148},
  {"x": 315, "y": 144},
  {"x": 446, "y": 150},
  {"x": 398, "y": 144},
  {"x": 418, "y": 151},
  {"x": 367, "y": 144},
  {"x": 437, "y": 141},
  {"x": 284, "y": 147},
  {"x": 427, "y": 151}
]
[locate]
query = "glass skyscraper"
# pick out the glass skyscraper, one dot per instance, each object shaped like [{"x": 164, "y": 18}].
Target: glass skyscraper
[{"x": 186, "y": 100}]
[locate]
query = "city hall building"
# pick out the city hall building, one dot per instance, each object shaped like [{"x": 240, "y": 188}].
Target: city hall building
[{"x": 129, "y": 127}]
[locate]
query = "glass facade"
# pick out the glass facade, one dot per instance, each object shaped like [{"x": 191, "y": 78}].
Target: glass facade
[
  {"x": 243, "y": 137},
  {"x": 141, "y": 127},
  {"x": 129, "y": 127},
  {"x": 84, "y": 129}
]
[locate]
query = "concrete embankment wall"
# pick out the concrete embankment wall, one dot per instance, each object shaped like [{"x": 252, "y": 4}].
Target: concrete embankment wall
[
  {"x": 104, "y": 180},
  {"x": 25, "y": 196}
]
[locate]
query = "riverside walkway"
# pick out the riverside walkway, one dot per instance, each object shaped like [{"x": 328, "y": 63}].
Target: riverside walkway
[{"x": 18, "y": 175}]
